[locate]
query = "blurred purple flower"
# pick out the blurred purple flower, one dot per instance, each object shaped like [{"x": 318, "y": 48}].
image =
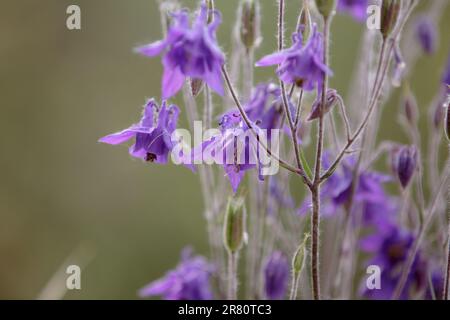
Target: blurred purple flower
[
  {"x": 188, "y": 281},
  {"x": 276, "y": 276},
  {"x": 391, "y": 248},
  {"x": 426, "y": 34},
  {"x": 437, "y": 285},
  {"x": 378, "y": 208},
  {"x": 189, "y": 52},
  {"x": 302, "y": 65},
  {"x": 152, "y": 134},
  {"x": 356, "y": 8}
]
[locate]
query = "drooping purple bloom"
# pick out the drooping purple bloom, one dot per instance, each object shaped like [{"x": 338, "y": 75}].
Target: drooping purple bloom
[
  {"x": 189, "y": 52},
  {"x": 426, "y": 34},
  {"x": 391, "y": 248},
  {"x": 152, "y": 134},
  {"x": 234, "y": 147},
  {"x": 405, "y": 164},
  {"x": 356, "y": 8},
  {"x": 302, "y": 65},
  {"x": 188, "y": 281},
  {"x": 276, "y": 276}
]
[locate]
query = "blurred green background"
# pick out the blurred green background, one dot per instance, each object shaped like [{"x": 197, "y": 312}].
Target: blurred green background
[{"x": 59, "y": 189}]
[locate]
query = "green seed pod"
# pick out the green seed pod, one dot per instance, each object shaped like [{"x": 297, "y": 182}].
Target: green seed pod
[
  {"x": 249, "y": 23},
  {"x": 326, "y": 7},
  {"x": 234, "y": 226},
  {"x": 298, "y": 260},
  {"x": 390, "y": 11}
]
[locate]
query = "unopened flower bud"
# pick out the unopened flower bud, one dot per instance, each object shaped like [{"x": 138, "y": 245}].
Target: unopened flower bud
[
  {"x": 298, "y": 261},
  {"x": 390, "y": 11},
  {"x": 326, "y": 7},
  {"x": 426, "y": 34},
  {"x": 249, "y": 23},
  {"x": 405, "y": 164},
  {"x": 234, "y": 226},
  {"x": 410, "y": 108},
  {"x": 196, "y": 86},
  {"x": 399, "y": 66},
  {"x": 317, "y": 110}
]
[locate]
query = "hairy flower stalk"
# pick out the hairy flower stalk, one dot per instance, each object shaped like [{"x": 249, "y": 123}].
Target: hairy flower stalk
[
  {"x": 326, "y": 8},
  {"x": 298, "y": 262}
]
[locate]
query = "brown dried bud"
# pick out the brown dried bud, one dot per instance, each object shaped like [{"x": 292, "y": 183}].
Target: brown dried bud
[
  {"x": 390, "y": 11},
  {"x": 317, "y": 110},
  {"x": 196, "y": 86}
]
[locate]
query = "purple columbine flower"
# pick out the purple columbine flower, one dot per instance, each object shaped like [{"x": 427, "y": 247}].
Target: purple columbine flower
[
  {"x": 302, "y": 65},
  {"x": 189, "y": 52},
  {"x": 188, "y": 281},
  {"x": 276, "y": 276},
  {"x": 405, "y": 164},
  {"x": 234, "y": 147},
  {"x": 391, "y": 248},
  {"x": 426, "y": 34},
  {"x": 152, "y": 134},
  {"x": 356, "y": 8}
]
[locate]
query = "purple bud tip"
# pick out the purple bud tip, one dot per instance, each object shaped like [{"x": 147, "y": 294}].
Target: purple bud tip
[
  {"x": 426, "y": 34},
  {"x": 406, "y": 163}
]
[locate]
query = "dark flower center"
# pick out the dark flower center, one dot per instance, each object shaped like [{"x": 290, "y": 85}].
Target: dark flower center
[
  {"x": 395, "y": 252},
  {"x": 150, "y": 157},
  {"x": 299, "y": 82}
]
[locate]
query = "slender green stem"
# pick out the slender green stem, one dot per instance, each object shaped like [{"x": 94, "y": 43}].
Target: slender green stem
[
  {"x": 285, "y": 103},
  {"x": 294, "y": 286},
  {"x": 315, "y": 190},
  {"x": 232, "y": 275}
]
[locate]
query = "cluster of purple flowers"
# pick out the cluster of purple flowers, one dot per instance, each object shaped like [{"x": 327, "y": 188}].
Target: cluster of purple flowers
[{"x": 190, "y": 51}]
